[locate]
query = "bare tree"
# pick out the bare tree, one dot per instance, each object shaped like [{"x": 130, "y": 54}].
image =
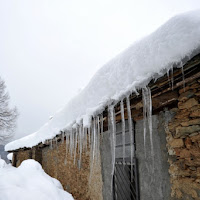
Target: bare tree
[{"x": 8, "y": 115}]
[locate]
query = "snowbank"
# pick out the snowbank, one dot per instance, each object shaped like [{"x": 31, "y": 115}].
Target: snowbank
[
  {"x": 173, "y": 43},
  {"x": 29, "y": 182},
  {"x": 10, "y": 156},
  {"x": 2, "y": 163}
]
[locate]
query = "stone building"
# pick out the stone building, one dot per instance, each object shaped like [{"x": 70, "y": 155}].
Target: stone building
[
  {"x": 173, "y": 172},
  {"x": 145, "y": 146}
]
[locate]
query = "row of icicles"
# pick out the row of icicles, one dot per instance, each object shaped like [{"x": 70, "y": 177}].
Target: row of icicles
[{"x": 78, "y": 139}]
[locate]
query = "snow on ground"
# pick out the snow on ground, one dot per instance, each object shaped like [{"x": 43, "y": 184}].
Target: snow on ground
[
  {"x": 29, "y": 182},
  {"x": 173, "y": 43},
  {"x": 2, "y": 163},
  {"x": 10, "y": 156}
]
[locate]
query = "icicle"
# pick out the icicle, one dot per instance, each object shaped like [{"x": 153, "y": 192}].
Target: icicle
[
  {"x": 83, "y": 138},
  {"x": 80, "y": 143},
  {"x": 75, "y": 144},
  {"x": 62, "y": 136},
  {"x": 67, "y": 142},
  {"x": 172, "y": 77},
  {"x": 144, "y": 117},
  {"x": 113, "y": 138},
  {"x": 130, "y": 124},
  {"x": 66, "y": 146},
  {"x": 183, "y": 75},
  {"x": 91, "y": 136},
  {"x": 149, "y": 117},
  {"x": 51, "y": 144},
  {"x": 94, "y": 140},
  {"x": 71, "y": 141},
  {"x": 86, "y": 138},
  {"x": 78, "y": 140},
  {"x": 56, "y": 141},
  {"x": 147, "y": 114},
  {"x": 102, "y": 124},
  {"x": 98, "y": 138},
  {"x": 98, "y": 125},
  {"x": 123, "y": 128},
  {"x": 169, "y": 80}
]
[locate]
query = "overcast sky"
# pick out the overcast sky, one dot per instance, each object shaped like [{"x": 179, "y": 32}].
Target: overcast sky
[{"x": 50, "y": 49}]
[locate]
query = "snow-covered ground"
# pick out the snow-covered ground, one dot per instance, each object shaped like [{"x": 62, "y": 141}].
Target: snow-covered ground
[
  {"x": 172, "y": 44},
  {"x": 29, "y": 182},
  {"x": 10, "y": 156}
]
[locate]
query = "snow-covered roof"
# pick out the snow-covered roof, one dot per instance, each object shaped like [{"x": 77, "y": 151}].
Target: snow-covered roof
[{"x": 174, "y": 42}]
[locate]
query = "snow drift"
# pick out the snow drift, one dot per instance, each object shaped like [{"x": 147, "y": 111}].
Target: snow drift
[
  {"x": 172, "y": 44},
  {"x": 29, "y": 181}
]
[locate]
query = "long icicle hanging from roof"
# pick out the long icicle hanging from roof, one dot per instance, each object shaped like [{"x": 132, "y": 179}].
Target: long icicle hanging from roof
[
  {"x": 123, "y": 129},
  {"x": 112, "y": 126},
  {"x": 147, "y": 116},
  {"x": 130, "y": 124}
]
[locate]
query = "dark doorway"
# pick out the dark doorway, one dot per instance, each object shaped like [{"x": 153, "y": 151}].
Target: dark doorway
[{"x": 125, "y": 183}]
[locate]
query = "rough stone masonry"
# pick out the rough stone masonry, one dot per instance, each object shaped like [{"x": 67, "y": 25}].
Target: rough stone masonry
[{"x": 183, "y": 142}]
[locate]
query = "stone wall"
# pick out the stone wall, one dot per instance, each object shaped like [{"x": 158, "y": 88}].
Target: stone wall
[
  {"x": 75, "y": 177},
  {"x": 20, "y": 156},
  {"x": 183, "y": 142}
]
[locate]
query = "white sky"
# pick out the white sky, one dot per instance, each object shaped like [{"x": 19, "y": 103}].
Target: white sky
[{"x": 49, "y": 49}]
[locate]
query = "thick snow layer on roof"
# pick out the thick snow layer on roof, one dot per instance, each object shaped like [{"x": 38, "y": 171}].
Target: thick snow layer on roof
[
  {"x": 151, "y": 57},
  {"x": 29, "y": 181}
]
